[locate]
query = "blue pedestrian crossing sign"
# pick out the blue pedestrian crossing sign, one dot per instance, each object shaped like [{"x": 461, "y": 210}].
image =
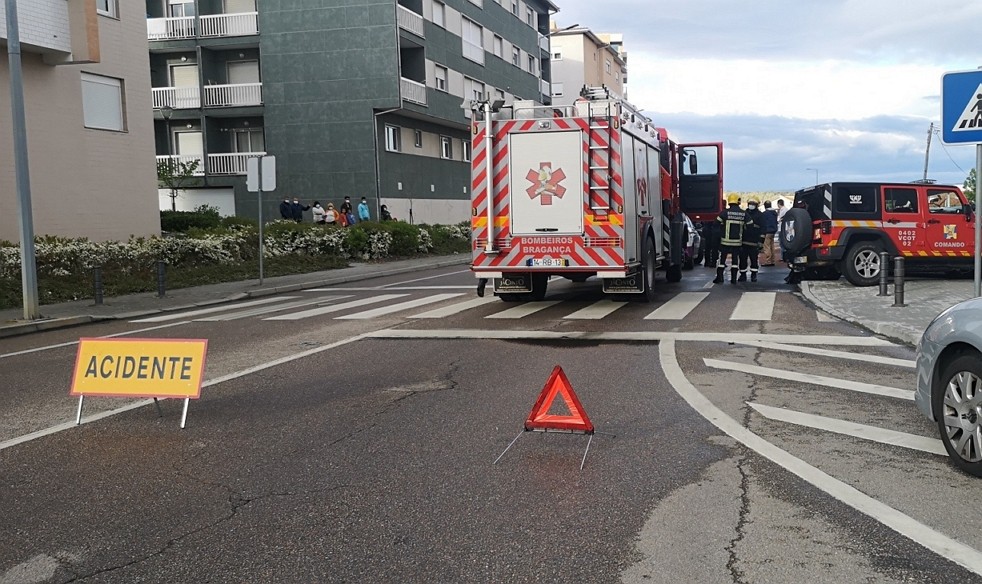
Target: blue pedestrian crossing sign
[{"x": 961, "y": 107}]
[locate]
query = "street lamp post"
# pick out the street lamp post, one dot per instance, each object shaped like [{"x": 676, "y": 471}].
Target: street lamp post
[
  {"x": 816, "y": 174},
  {"x": 167, "y": 111}
]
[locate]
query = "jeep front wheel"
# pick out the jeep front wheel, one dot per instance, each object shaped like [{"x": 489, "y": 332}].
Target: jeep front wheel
[{"x": 861, "y": 266}]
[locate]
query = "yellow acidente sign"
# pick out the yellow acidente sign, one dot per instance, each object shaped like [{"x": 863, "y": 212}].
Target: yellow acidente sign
[{"x": 161, "y": 368}]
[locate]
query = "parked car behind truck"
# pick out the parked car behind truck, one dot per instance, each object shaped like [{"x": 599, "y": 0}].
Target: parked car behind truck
[{"x": 841, "y": 228}]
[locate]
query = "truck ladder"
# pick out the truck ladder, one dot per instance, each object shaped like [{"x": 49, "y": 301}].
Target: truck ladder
[{"x": 600, "y": 189}]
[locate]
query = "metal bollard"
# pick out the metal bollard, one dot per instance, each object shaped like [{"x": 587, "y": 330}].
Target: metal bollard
[
  {"x": 898, "y": 282},
  {"x": 161, "y": 278},
  {"x": 884, "y": 264},
  {"x": 97, "y": 284}
]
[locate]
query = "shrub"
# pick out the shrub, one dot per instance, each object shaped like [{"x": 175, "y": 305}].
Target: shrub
[{"x": 204, "y": 217}]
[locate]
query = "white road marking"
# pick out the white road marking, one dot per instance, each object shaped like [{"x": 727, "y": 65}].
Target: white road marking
[
  {"x": 636, "y": 337},
  {"x": 754, "y": 306},
  {"x": 70, "y": 343},
  {"x": 709, "y": 285},
  {"x": 397, "y": 307},
  {"x": 523, "y": 310},
  {"x": 836, "y": 354},
  {"x": 856, "y": 386},
  {"x": 267, "y": 309},
  {"x": 823, "y": 317},
  {"x": 456, "y": 308},
  {"x": 231, "y": 376},
  {"x": 595, "y": 311},
  {"x": 910, "y": 528},
  {"x": 427, "y": 278},
  {"x": 213, "y": 309},
  {"x": 871, "y": 433},
  {"x": 335, "y": 307},
  {"x": 678, "y": 307},
  {"x": 389, "y": 289}
]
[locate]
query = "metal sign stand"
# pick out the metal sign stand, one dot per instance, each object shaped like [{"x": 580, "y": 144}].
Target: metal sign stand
[
  {"x": 522, "y": 433},
  {"x": 156, "y": 402}
]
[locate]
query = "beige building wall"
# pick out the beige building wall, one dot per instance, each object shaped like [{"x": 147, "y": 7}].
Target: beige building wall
[
  {"x": 84, "y": 182},
  {"x": 585, "y": 59}
]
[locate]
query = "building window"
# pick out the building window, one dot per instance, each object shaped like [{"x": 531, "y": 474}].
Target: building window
[
  {"x": 557, "y": 56},
  {"x": 446, "y": 149},
  {"x": 607, "y": 67},
  {"x": 472, "y": 37},
  {"x": 514, "y": 7},
  {"x": 251, "y": 140},
  {"x": 478, "y": 3},
  {"x": 418, "y": 138},
  {"x": 499, "y": 47},
  {"x": 557, "y": 89},
  {"x": 473, "y": 89},
  {"x": 440, "y": 72},
  {"x": 107, "y": 8},
  {"x": 102, "y": 102},
  {"x": 181, "y": 8},
  {"x": 439, "y": 14},
  {"x": 529, "y": 17},
  {"x": 393, "y": 138},
  {"x": 466, "y": 149},
  {"x": 516, "y": 56},
  {"x": 499, "y": 94},
  {"x": 532, "y": 63}
]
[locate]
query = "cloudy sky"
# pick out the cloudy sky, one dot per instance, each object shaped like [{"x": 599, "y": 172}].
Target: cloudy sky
[{"x": 847, "y": 87}]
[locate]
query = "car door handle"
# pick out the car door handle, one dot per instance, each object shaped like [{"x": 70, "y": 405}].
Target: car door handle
[
  {"x": 933, "y": 221},
  {"x": 894, "y": 221}
]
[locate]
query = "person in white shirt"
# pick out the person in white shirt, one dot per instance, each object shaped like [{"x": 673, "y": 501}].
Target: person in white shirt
[
  {"x": 330, "y": 215},
  {"x": 781, "y": 210},
  {"x": 318, "y": 212}
]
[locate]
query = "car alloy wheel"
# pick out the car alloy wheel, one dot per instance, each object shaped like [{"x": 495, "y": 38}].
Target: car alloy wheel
[
  {"x": 868, "y": 264},
  {"x": 959, "y": 412}
]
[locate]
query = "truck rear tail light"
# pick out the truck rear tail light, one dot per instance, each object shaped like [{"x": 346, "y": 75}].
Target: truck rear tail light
[
  {"x": 827, "y": 227},
  {"x": 817, "y": 234}
]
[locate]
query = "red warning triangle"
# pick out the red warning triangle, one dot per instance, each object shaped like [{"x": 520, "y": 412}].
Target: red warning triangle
[{"x": 540, "y": 418}]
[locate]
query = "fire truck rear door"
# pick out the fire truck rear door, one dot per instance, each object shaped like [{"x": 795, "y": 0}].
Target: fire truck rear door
[
  {"x": 546, "y": 182},
  {"x": 701, "y": 180}
]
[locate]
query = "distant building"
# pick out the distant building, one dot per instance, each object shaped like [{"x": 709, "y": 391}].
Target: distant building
[
  {"x": 89, "y": 129},
  {"x": 353, "y": 97},
  {"x": 580, "y": 57}
]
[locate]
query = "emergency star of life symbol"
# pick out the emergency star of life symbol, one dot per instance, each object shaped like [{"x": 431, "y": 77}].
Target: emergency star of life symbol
[{"x": 545, "y": 183}]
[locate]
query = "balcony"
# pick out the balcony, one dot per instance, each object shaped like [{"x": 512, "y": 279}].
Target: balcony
[
  {"x": 199, "y": 171},
  {"x": 176, "y": 97},
  {"x": 229, "y": 25},
  {"x": 410, "y": 21},
  {"x": 168, "y": 29},
  {"x": 545, "y": 88},
  {"x": 413, "y": 91},
  {"x": 212, "y": 25},
  {"x": 230, "y": 163},
  {"x": 234, "y": 95},
  {"x": 544, "y": 43}
]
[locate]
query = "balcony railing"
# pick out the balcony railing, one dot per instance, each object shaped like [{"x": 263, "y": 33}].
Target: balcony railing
[
  {"x": 236, "y": 94},
  {"x": 212, "y": 25},
  {"x": 199, "y": 171},
  {"x": 545, "y": 87},
  {"x": 413, "y": 91},
  {"x": 411, "y": 21},
  {"x": 176, "y": 97},
  {"x": 223, "y": 25},
  {"x": 162, "y": 29},
  {"x": 544, "y": 43},
  {"x": 230, "y": 163}
]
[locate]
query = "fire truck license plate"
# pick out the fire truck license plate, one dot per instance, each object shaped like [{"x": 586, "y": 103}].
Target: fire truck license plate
[
  {"x": 547, "y": 262},
  {"x": 801, "y": 260}
]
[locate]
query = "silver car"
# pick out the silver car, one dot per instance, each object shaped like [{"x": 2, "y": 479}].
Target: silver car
[{"x": 949, "y": 381}]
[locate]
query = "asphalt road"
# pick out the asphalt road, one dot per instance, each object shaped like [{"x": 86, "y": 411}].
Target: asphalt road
[{"x": 359, "y": 446}]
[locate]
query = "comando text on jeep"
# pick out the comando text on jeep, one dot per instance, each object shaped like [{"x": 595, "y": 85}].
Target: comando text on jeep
[{"x": 841, "y": 228}]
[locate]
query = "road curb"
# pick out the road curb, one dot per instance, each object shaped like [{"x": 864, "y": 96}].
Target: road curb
[
  {"x": 47, "y": 324},
  {"x": 883, "y": 329}
]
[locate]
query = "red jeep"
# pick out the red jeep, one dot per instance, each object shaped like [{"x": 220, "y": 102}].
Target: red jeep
[{"x": 841, "y": 228}]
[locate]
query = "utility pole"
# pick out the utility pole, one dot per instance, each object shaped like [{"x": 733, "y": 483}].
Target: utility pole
[
  {"x": 28, "y": 260},
  {"x": 927, "y": 152}
]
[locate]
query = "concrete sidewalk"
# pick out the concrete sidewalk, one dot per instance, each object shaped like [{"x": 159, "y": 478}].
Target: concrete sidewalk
[
  {"x": 924, "y": 300},
  {"x": 135, "y": 305}
]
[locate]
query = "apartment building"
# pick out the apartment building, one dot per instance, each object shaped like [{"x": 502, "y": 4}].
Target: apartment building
[
  {"x": 581, "y": 57},
  {"x": 89, "y": 130},
  {"x": 354, "y": 97}
]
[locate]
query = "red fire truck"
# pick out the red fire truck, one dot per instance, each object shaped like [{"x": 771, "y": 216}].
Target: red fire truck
[{"x": 592, "y": 189}]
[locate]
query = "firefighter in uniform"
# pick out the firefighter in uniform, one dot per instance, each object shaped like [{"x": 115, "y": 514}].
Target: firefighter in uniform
[
  {"x": 732, "y": 221},
  {"x": 753, "y": 240}
]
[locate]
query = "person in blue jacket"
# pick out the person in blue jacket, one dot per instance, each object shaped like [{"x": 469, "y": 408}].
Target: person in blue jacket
[
  {"x": 363, "y": 214},
  {"x": 770, "y": 229}
]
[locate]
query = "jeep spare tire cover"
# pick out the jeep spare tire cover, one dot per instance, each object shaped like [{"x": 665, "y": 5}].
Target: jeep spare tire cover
[{"x": 796, "y": 230}]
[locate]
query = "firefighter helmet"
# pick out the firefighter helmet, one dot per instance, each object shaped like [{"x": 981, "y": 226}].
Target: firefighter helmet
[
  {"x": 753, "y": 200},
  {"x": 732, "y": 199}
]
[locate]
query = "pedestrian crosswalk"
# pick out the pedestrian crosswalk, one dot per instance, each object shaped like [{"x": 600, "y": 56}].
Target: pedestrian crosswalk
[{"x": 344, "y": 304}]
